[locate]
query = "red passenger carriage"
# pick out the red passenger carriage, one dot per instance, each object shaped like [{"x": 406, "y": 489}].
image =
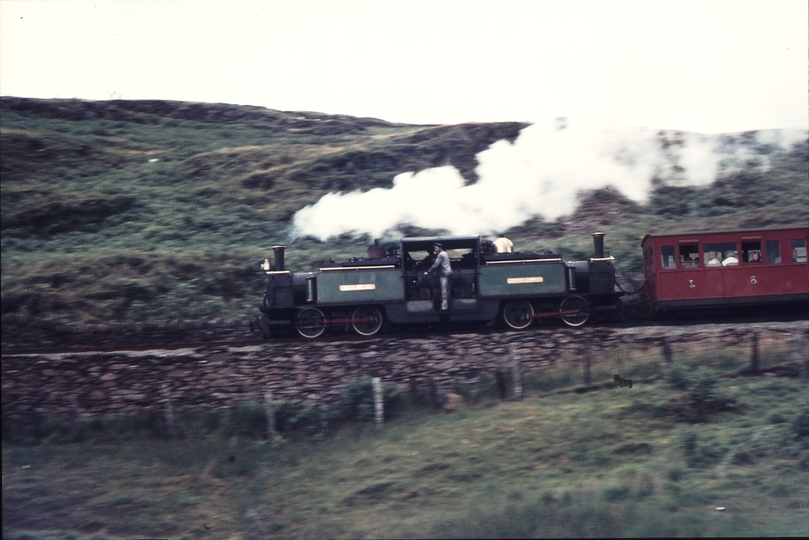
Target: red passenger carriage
[{"x": 726, "y": 268}]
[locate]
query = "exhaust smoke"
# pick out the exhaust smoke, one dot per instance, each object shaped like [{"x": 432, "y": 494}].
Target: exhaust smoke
[{"x": 541, "y": 173}]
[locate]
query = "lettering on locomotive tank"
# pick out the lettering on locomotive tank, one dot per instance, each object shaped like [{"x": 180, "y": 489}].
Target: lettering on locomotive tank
[
  {"x": 518, "y": 280},
  {"x": 359, "y": 287}
]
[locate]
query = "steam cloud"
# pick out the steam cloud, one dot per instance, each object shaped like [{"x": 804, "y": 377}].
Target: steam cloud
[{"x": 541, "y": 173}]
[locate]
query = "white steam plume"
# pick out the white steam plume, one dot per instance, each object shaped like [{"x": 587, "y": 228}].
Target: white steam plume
[{"x": 539, "y": 174}]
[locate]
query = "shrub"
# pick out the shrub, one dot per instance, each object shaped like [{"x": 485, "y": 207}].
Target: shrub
[
  {"x": 801, "y": 423},
  {"x": 616, "y": 493},
  {"x": 356, "y": 402},
  {"x": 678, "y": 377},
  {"x": 699, "y": 455},
  {"x": 294, "y": 416},
  {"x": 707, "y": 394},
  {"x": 675, "y": 474}
]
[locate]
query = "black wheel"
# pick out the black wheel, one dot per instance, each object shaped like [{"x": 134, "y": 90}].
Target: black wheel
[
  {"x": 518, "y": 314},
  {"x": 310, "y": 322},
  {"x": 367, "y": 320},
  {"x": 574, "y": 310}
]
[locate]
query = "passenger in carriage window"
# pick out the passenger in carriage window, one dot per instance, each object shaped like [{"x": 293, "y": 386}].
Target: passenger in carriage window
[
  {"x": 773, "y": 251},
  {"x": 713, "y": 259},
  {"x": 798, "y": 250},
  {"x": 755, "y": 257},
  {"x": 730, "y": 258}
]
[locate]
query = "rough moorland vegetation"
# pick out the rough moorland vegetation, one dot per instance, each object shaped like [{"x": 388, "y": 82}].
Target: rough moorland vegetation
[{"x": 144, "y": 210}]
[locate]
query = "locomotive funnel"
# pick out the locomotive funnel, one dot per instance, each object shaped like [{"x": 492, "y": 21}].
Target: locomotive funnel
[
  {"x": 598, "y": 244},
  {"x": 279, "y": 258},
  {"x": 376, "y": 252}
]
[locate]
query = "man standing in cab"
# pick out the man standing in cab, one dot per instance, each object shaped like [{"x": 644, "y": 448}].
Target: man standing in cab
[{"x": 444, "y": 269}]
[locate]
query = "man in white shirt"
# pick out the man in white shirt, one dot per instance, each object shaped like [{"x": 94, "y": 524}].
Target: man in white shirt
[
  {"x": 713, "y": 259},
  {"x": 730, "y": 258}
]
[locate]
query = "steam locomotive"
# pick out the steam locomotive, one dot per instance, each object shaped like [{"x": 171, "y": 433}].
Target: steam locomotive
[{"x": 389, "y": 287}]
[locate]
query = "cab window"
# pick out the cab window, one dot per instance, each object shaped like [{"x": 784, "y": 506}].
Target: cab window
[{"x": 667, "y": 257}]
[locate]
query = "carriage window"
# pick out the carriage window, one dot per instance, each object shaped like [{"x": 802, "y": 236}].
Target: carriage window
[
  {"x": 751, "y": 251},
  {"x": 773, "y": 250},
  {"x": 689, "y": 255},
  {"x": 647, "y": 262},
  {"x": 724, "y": 254},
  {"x": 798, "y": 250},
  {"x": 667, "y": 257}
]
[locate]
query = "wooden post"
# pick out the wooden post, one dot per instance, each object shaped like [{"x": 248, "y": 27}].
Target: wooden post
[
  {"x": 270, "y": 410},
  {"x": 587, "y": 375},
  {"x": 168, "y": 409},
  {"x": 323, "y": 417},
  {"x": 501, "y": 379},
  {"x": 754, "y": 354},
  {"x": 379, "y": 413},
  {"x": 668, "y": 356},
  {"x": 516, "y": 378},
  {"x": 434, "y": 394},
  {"x": 714, "y": 351},
  {"x": 800, "y": 354},
  {"x": 587, "y": 355}
]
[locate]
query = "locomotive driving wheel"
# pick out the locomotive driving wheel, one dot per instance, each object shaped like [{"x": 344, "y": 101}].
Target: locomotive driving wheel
[
  {"x": 367, "y": 320},
  {"x": 310, "y": 322},
  {"x": 518, "y": 314},
  {"x": 574, "y": 311}
]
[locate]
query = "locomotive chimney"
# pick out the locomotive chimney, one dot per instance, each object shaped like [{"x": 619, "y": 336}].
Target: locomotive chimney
[
  {"x": 598, "y": 244},
  {"x": 279, "y": 258},
  {"x": 376, "y": 252}
]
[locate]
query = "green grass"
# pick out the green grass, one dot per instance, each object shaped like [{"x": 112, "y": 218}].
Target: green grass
[{"x": 613, "y": 462}]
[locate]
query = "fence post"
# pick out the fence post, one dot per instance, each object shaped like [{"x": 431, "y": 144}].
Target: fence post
[
  {"x": 322, "y": 416},
  {"x": 270, "y": 410},
  {"x": 800, "y": 353},
  {"x": 433, "y": 389},
  {"x": 167, "y": 408},
  {"x": 516, "y": 378},
  {"x": 379, "y": 413},
  {"x": 587, "y": 376},
  {"x": 501, "y": 379},
  {"x": 668, "y": 356},
  {"x": 589, "y": 343},
  {"x": 754, "y": 354}
]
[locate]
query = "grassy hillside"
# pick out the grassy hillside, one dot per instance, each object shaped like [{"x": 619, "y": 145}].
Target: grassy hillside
[{"x": 136, "y": 210}]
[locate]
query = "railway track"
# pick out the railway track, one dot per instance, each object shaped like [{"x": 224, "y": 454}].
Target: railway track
[{"x": 43, "y": 338}]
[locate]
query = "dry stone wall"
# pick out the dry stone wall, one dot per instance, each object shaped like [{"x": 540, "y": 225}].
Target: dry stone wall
[{"x": 209, "y": 378}]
